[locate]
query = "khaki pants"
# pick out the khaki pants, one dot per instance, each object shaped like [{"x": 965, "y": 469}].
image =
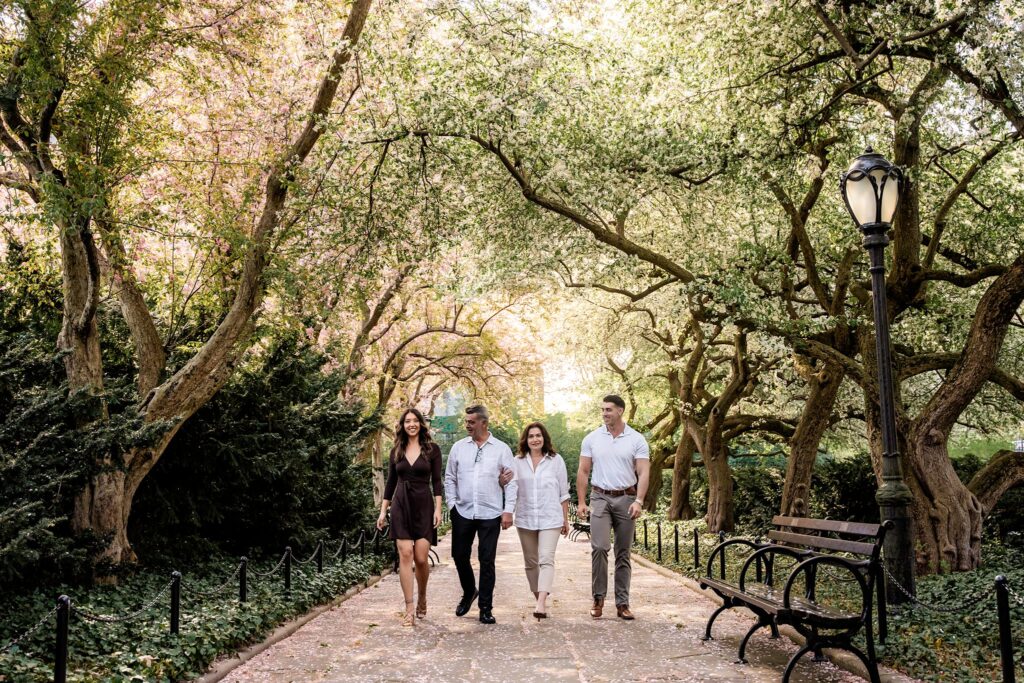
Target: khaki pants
[
  {"x": 608, "y": 513},
  {"x": 539, "y": 556}
]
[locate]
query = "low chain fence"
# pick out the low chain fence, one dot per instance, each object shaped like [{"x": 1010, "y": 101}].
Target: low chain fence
[
  {"x": 168, "y": 599},
  {"x": 674, "y": 548}
]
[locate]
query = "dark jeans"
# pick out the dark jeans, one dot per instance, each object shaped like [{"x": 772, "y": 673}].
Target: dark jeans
[{"x": 463, "y": 531}]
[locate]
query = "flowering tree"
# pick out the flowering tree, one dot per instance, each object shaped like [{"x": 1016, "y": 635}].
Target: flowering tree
[{"x": 71, "y": 107}]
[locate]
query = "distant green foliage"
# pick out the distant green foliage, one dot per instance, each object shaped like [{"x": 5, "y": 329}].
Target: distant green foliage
[
  {"x": 268, "y": 462},
  {"x": 842, "y": 488}
]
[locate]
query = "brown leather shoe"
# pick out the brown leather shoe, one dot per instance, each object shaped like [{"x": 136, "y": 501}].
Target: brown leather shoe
[
  {"x": 624, "y": 612},
  {"x": 598, "y": 608}
]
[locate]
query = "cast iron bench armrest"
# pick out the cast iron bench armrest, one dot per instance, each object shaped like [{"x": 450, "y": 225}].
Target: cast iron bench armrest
[
  {"x": 852, "y": 566},
  {"x": 769, "y": 549},
  {"x": 720, "y": 548}
]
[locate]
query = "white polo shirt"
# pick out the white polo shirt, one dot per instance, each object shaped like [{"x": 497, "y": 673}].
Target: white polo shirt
[
  {"x": 471, "y": 483},
  {"x": 614, "y": 458},
  {"x": 540, "y": 492}
]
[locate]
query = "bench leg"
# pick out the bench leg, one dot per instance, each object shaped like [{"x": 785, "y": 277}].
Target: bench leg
[
  {"x": 714, "y": 615},
  {"x": 762, "y": 621},
  {"x": 869, "y": 664},
  {"x": 775, "y": 630},
  {"x": 793, "y": 660}
]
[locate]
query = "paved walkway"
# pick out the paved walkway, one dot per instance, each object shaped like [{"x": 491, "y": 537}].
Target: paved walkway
[{"x": 362, "y": 640}]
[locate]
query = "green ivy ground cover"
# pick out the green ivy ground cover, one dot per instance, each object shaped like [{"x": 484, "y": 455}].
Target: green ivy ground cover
[
  {"x": 959, "y": 643},
  {"x": 143, "y": 649}
]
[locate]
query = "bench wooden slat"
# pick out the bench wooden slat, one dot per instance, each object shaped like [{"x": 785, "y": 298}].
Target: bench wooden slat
[
  {"x": 836, "y": 544},
  {"x": 833, "y": 526},
  {"x": 800, "y": 604}
]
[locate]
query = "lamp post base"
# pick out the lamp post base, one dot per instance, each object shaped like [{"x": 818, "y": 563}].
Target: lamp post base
[{"x": 894, "y": 498}]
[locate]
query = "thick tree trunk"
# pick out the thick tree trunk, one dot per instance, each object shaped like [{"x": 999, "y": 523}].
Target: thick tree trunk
[
  {"x": 679, "y": 508},
  {"x": 947, "y": 516},
  {"x": 103, "y": 508},
  {"x": 656, "y": 480},
  {"x": 720, "y": 515},
  {"x": 374, "y": 453},
  {"x": 823, "y": 384},
  {"x": 79, "y": 338},
  {"x": 104, "y": 505}
]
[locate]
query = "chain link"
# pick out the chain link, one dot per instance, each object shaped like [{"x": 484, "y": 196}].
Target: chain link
[
  {"x": 258, "y": 575},
  {"x": 310, "y": 558},
  {"x": 972, "y": 601},
  {"x": 221, "y": 588},
  {"x": 336, "y": 553},
  {"x": 32, "y": 630},
  {"x": 1015, "y": 595},
  {"x": 108, "y": 619},
  {"x": 840, "y": 577}
]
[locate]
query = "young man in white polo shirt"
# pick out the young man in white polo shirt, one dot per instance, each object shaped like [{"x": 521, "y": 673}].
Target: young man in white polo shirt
[{"x": 621, "y": 460}]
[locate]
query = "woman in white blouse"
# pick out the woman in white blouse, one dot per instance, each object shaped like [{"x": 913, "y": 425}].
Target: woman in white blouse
[{"x": 542, "y": 509}]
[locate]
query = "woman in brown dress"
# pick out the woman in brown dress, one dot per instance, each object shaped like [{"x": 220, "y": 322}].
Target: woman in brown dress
[{"x": 414, "y": 477}]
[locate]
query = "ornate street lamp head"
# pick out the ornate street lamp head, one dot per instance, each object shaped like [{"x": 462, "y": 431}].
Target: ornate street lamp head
[{"x": 871, "y": 189}]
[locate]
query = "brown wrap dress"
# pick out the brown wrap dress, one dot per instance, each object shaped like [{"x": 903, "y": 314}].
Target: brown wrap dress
[{"x": 411, "y": 490}]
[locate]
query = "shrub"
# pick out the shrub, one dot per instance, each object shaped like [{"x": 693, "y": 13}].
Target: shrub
[{"x": 266, "y": 463}]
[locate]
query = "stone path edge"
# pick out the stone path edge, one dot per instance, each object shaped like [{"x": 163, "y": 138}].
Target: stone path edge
[
  {"x": 220, "y": 669},
  {"x": 844, "y": 660}
]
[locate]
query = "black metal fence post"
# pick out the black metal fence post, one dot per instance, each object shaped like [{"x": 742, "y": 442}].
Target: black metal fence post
[
  {"x": 344, "y": 550},
  {"x": 659, "y": 541},
  {"x": 675, "y": 535},
  {"x": 696, "y": 550},
  {"x": 645, "y": 534},
  {"x": 320, "y": 557},
  {"x": 175, "y": 602},
  {"x": 287, "y": 569},
  {"x": 243, "y": 570},
  {"x": 60, "y": 651},
  {"x": 721, "y": 555},
  {"x": 883, "y": 607},
  {"x": 1005, "y": 636},
  {"x": 376, "y": 542}
]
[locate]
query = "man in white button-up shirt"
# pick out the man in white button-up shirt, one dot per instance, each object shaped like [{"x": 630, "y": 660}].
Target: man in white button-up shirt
[
  {"x": 620, "y": 460},
  {"x": 481, "y": 496}
]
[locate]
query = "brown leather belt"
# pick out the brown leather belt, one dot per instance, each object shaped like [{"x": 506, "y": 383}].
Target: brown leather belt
[{"x": 631, "y": 491}]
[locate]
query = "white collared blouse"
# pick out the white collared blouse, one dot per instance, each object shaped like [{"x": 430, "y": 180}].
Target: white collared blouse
[
  {"x": 540, "y": 492},
  {"x": 471, "y": 483}
]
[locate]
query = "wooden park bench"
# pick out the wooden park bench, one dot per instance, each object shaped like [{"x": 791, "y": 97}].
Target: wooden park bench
[{"x": 814, "y": 545}]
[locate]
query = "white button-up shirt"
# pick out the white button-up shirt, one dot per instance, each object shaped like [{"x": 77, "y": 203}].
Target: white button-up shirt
[
  {"x": 540, "y": 492},
  {"x": 614, "y": 458},
  {"x": 471, "y": 483}
]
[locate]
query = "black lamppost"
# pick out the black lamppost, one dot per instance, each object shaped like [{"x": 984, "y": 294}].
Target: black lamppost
[{"x": 871, "y": 189}]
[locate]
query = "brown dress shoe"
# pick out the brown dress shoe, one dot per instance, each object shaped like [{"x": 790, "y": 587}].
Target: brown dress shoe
[
  {"x": 598, "y": 607},
  {"x": 624, "y": 612}
]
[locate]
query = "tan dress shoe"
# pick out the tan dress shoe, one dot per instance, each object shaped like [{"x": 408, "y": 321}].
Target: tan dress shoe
[
  {"x": 598, "y": 607},
  {"x": 624, "y": 612}
]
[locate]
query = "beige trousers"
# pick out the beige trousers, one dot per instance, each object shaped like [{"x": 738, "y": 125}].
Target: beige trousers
[
  {"x": 539, "y": 556},
  {"x": 609, "y": 513}
]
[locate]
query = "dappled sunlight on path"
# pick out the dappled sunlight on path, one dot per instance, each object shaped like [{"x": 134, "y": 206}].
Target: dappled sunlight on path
[{"x": 362, "y": 640}]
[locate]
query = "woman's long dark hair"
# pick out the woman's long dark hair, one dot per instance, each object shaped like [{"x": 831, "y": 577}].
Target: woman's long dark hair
[
  {"x": 402, "y": 438},
  {"x": 524, "y": 447}
]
